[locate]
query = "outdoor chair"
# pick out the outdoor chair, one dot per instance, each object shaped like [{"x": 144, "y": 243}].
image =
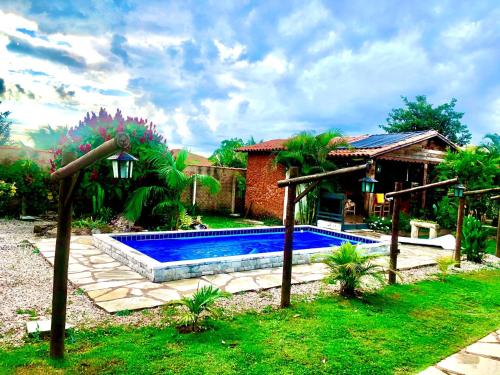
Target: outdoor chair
[
  {"x": 349, "y": 208},
  {"x": 382, "y": 206}
]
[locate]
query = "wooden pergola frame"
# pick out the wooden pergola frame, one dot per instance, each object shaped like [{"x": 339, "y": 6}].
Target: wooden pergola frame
[
  {"x": 69, "y": 176},
  {"x": 460, "y": 222},
  {"x": 397, "y": 194},
  {"x": 292, "y": 199}
]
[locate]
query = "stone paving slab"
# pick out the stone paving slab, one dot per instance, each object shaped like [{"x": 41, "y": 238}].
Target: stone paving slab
[
  {"x": 115, "y": 287},
  {"x": 480, "y": 358}
]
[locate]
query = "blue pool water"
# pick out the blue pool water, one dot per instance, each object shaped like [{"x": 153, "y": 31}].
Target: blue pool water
[{"x": 190, "y": 248}]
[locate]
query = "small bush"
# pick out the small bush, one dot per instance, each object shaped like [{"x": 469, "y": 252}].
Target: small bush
[
  {"x": 89, "y": 223},
  {"x": 474, "y": 239},
  {"x": 349, "y": 266},
  {"x": 444, "y": 263},
  {"x": 382, "y": 224},
  {"x": 199, "y": 306}
]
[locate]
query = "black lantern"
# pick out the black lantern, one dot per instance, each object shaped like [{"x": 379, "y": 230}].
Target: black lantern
[
  {"x": 123, "y": 164},
  {"x": 458, "y": 190},
  {"x": 368, "y": 184}
]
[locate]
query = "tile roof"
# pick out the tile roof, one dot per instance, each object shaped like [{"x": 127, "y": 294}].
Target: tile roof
[
  {"x": 193, "y": 159},
  {"x": 362, "y": 145}
]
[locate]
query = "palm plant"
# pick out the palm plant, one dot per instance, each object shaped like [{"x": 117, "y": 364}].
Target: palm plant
[
  {"x": 349, "y": 266},
  {"x": 164, "y": 195},
  {"x": 444, "y": 263},
  {"x": 309, "y": 153},
  {"x": 199, "y": 306}
]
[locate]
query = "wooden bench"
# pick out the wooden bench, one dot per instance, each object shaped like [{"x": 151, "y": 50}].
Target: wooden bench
[{"x": 416, "y": 225}]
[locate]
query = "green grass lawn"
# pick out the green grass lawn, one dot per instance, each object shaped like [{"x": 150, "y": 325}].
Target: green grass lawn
[
  {"x": 400, "y": 329},
  {"x": 220, "y": 222}
]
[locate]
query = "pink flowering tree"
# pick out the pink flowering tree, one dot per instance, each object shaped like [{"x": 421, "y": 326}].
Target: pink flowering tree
[{"x": 92, "y": 131}]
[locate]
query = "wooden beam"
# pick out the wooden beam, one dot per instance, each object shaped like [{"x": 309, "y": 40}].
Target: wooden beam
[
  {"x": 458, "y": 239},
  {"x": 479, "y": 192},
  {"x": 120, "y": 142},
  {"x": 424, "y": 182},
  {"x": 286, "y": 283},
  {"x": 421, "y": 188},
  {"x": 320, "y": 176},
  {"x": 393, "y": 256},
  {"x": 495, "y": 197},
  {"x": 307, "y": 191}
]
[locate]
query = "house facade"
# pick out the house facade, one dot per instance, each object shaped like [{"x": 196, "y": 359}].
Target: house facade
[{"x": 400, "y": 157}]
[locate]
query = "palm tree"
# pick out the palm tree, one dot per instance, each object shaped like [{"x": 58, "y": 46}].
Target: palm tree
[
  {"x": 349, "y": 266},
  {"x": 309, "y": 153},
  {"x": 164, "y": 197}
]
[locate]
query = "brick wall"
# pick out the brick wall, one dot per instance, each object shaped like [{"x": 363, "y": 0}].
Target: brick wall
[
  {"x": 223, "y": 201},
  {"x": 12, "y": 153},
  {"x": 263, "y": 197}
]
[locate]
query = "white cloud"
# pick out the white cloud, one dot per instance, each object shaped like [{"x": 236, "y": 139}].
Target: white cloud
[
  {"x": 229, "y": 53},
  {"x": 304, "y": 19}
]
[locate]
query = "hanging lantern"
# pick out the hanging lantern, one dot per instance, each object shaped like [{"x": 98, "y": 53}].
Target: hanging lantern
[
  {"x": 123, "y": 164},
  {"x": 368, "y": 184},
  {"x": 458, "y": 190}
]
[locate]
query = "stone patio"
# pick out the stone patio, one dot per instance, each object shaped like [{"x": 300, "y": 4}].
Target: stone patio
[
  {"x": 115, "y": 287},
  {"x": 482, "y": 357}
]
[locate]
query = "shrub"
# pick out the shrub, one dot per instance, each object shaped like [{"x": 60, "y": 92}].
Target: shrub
[
  {"x": 349, "y": 266},
  {"x": 199, "y": 306},
  {"x": 445, "y": 212},
  {"x": 444, "y": 263},
  {"x": 7, "y": 192},
  {"x": 32, "y": 184},
  {"x": 382, "y": 224},
  {"x": 474, "y": 239}
]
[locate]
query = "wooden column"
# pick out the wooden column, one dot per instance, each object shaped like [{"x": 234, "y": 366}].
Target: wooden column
[
  {"x": 458, "y": 240},
  {"x": 368, "y": 197},
  {"x": 393, "y": 261},
  {"x": 60, "y": 283},
  {"x": 497, "y": 252},
  {"x": 286, "y": 283},
  {"x": 424, "y": 182}
]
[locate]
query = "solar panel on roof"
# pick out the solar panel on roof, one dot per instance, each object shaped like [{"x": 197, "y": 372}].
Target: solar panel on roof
[{"x": 381, "y": 140}]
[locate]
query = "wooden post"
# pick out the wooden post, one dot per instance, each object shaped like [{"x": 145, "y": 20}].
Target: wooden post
[
  {"x": 368, "y": 197},
  {"x": 424, "y": 182},
  {"x": 393, "y": 261},
  {"x": 60, "y": 282},
  {"x": 286, "y": 283},
  {"x": 497, "y": 252},
  {"x": 458, "y": 240}
]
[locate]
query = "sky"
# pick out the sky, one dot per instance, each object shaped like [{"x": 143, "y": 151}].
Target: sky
[{"x": 205, "y": 71}]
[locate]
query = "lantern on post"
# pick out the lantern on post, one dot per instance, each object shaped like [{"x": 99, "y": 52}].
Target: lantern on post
[
  {"x": 458, "y": 190},
  {"x": 123, "y": 164},
  {"x": 368, "y": 184}
]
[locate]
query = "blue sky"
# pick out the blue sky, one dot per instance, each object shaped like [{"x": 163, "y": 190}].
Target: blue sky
[{"x": 204, "y": 71}]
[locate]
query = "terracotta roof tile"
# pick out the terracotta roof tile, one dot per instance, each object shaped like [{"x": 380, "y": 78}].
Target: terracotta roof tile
[{"x": 408, "y": 139}]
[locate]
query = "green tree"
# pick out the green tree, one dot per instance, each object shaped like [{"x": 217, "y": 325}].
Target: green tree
[
  {"x": 4, "y": 127},
  {"x": 421, "y": 115},
  {"x": 309, "y": 153},
  {"x": 226, "y": 156},
  {"x": 164, "y": 195},
  {"x": 47, "y": 137}
]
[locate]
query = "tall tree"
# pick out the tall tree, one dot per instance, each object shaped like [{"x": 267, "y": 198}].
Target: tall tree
[
  {"x": 421, "y": 115},
  {"x": 309, "y": 153},
  {"x": 47, "y": 137},
  {"x": 4, "y": 127},
  {"x": 226, "y": 156}
]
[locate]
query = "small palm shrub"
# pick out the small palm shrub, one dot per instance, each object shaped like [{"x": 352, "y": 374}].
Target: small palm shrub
[
  {"x": 199, "y": 306},
  {"x": 444, "y": 263},
  {"x": 349, "y": 266},
  {"x": 474, "y": 239}
]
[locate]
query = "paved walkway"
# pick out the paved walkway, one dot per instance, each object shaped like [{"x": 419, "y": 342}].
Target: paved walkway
[
  {"x": 480, "y": 358},
  {"x": 115, "y": 287}
]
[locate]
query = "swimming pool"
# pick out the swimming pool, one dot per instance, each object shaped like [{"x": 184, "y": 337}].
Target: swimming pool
[{"x": 164, "y": 256}]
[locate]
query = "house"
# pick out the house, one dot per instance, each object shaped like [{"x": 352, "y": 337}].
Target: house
[{"x": 405, "y": 157}]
